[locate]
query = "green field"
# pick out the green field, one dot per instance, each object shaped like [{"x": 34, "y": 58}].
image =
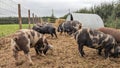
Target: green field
[{"x": 8, "y": 29}]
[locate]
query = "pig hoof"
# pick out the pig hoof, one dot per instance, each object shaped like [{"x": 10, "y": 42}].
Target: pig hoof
[
  {"x": 43, "y": 55},
  {"x": 18, "y": 63},
  {"x": 31, "y": 63}
]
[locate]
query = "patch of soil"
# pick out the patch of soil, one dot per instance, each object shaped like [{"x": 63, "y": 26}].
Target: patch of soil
[{"x": 64, "y": 55}]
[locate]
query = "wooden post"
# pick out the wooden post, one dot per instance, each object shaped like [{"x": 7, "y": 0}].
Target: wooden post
[
  {"x": 19, "y": 16},
  {"x": 39, "y": 20},
  {"x": 116, "y": 22},
  {"x": 36, "y": 19},
  {"x": 29, "y": 18},
  {"x": 33, "y": 18}
]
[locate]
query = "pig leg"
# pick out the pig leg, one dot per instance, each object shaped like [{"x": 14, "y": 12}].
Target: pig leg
[
  {"x": 80, "y": 48},
  {"x": 26, "y": 51},
  {"x": 55, "y": 34},
  {"x": 27, "y": 55},
  {"x": 15, "y": 49},
  {"x": 42, "y": 53},
  {"x": 107, "y": 51},
  {"x": 61, "y": 32},
  {"x": 15, "y": 55},
  {"x": 29, "y": 58},
  {"x": 45, "y": 50},
  {"x": 37, "y": 51},
  {"x": 51, "y": 35},
  {"x": 99, "y": 51}
]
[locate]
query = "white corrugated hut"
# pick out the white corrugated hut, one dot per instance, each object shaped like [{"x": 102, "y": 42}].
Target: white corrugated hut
[{"x": 93, "y": 21}]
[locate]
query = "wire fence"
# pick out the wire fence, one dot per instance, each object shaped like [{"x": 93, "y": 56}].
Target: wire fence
[
  {"x": 8, "y": 8},
  {"x": 10, "y": 13}
]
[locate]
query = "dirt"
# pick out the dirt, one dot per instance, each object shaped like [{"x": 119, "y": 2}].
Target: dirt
[{"x": 64, "y": 55}]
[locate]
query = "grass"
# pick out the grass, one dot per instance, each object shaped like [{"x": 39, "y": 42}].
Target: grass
[{"x": 8, "y": 29}]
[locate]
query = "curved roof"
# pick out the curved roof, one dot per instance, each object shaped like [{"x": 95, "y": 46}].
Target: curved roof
[{"x": 93, "y": 21}]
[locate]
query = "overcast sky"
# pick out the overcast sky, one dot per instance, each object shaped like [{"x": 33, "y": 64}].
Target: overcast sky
[{"x": 60, "y": 7}]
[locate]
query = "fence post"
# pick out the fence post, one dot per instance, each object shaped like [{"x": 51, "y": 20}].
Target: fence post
[
  {"x": 29, "y": 19},
  {"x": 19, "y": 16},
  {"x": 33, "y": 18},
  {"x": 116, "y": 22},
  {"x": 36, "y": 19},
  {"x": 39, "y": 19}
]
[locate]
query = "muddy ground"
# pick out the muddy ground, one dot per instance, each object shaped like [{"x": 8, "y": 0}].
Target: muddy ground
[{"x": 64, "y": 55}]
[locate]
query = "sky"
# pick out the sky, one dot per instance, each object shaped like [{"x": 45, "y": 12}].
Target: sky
[{"x": 60, "y": 7}]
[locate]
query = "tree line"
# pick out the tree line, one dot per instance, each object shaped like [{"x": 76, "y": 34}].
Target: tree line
[{"x": 13, "y": 20}]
